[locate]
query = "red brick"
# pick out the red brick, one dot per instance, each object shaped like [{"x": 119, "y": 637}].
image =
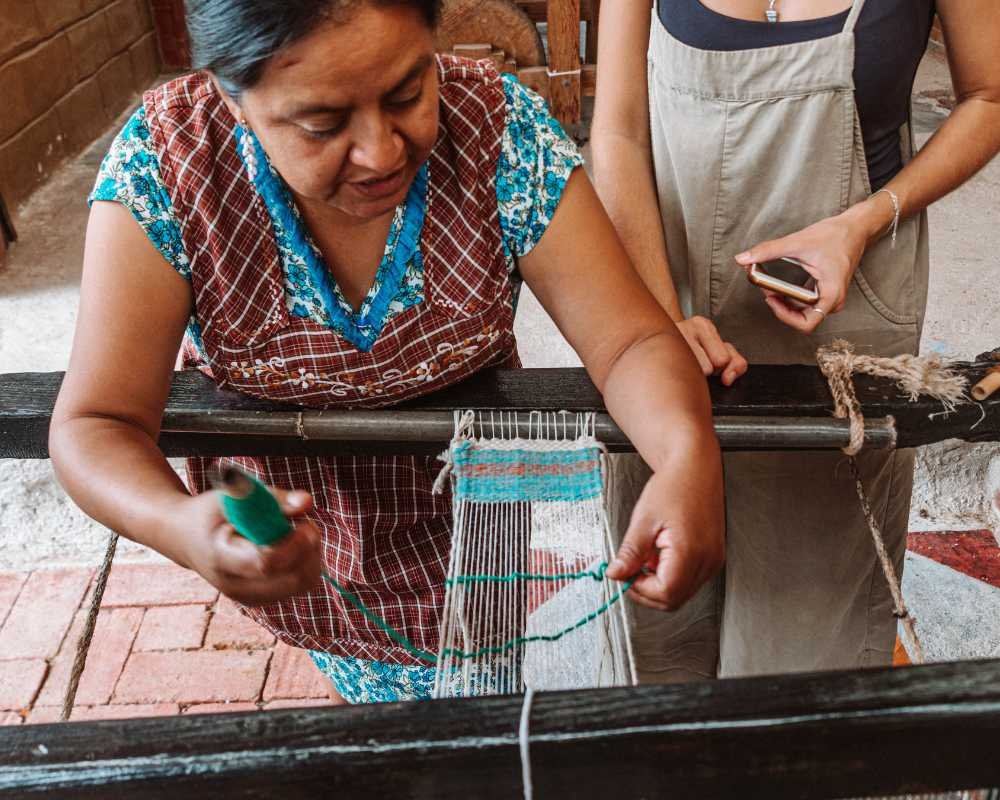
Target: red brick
[
  {"x": 220, "y": 708},
  {"x": 192, "y": 676},
  {"x": 81, "y": 115},
  {"x": 293, "y": 675},
  {"x": 113, "y": 636},
  {"x": 20, "y": 681},
  {"x": 43, "y": 715},
  {"x": 90, "y": 41},
  {"x": 138, "y": 710},
  {"x": 54, "y": 15},
  {"x": 10, "y": 718},
  {"x": 229, "y": 629},
  {"x": 156, "y": 585},
  {"x": 172, "y": 628},
  {"x": 302, "y": 702},
  {"x": 126, "y": 23},
  {"x": 28, "y": 158},
  {"x": 19, "y": 28},
  {"x": 42, "y": 614},
  {"x": 33, "y": 82},
  {"x": 145, "y": 62},
  {"x": 10, "y": 587},
  {"x": 115, "y": 79}
]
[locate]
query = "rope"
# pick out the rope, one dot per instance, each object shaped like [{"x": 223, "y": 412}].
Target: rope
[
  {"x": 83, "y": 643},
  {"x": 914, "y": 375}
]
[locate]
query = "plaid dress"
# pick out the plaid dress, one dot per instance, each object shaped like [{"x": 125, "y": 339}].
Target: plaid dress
[{"x": 385, "y": 535}]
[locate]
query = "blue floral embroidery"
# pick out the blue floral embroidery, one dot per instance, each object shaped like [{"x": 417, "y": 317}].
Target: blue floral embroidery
[
  {"x": 535, "y": 163},
  {"x": 361, "y": 681}
]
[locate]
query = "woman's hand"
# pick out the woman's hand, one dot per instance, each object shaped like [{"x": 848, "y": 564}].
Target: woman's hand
[
  {"x": 715, "y": 357},
  {"x": 830, "y": 250},
  {"x": 677, "y": 533},
  {"x": 240, "y": 569}
]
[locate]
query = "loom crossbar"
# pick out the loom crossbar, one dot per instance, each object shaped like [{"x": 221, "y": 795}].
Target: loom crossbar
[
  {"x": 823, "y": 735},
  {"x": 771, "y": 408}
]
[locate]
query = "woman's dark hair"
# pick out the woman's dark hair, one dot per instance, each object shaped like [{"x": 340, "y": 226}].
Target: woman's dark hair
[{"x": 233, "y": 39}]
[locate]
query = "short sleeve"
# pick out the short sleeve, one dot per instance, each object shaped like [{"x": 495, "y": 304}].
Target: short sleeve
[
  {"x": 130, "y": 175},
  {"x": 536, "y": 160}
]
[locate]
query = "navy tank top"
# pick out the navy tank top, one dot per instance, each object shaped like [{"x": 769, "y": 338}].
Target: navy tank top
[{"x": 890, "y": 39}]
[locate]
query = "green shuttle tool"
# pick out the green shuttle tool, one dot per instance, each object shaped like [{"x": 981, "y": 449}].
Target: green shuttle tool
[{"x": 249, "y": 506}]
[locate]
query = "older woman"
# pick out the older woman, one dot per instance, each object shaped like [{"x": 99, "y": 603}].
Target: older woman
[
  {"x": 334, "y": 213},
  {"x": 729, "y": 132}
]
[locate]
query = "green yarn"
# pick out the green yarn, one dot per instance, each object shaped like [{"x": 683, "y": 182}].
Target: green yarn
[
  {"x": 596, "y": 574},
  {"x": 396, "y": 636},
  {"x": 257, "y": 516}
]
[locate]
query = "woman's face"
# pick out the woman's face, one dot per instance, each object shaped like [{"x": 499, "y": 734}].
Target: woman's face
[{"x": 349, "y": 113}]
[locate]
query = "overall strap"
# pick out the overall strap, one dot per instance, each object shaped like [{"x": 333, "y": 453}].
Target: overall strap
[{"x": 852, "y": 18}]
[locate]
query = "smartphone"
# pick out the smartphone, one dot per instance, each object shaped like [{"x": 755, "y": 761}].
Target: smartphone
[{"x": 785, "y": 276}]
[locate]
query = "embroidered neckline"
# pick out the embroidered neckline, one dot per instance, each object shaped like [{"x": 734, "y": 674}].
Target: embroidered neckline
[{"x": 363, "y": 327}]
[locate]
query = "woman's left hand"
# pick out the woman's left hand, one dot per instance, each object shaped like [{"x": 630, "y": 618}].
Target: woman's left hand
[{"x": 830, "y": 250}]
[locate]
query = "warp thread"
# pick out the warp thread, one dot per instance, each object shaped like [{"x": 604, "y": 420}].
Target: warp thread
[{"x": 914, "y": 375}]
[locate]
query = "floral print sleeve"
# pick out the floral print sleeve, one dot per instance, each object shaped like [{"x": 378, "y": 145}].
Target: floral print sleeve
[
  {"x": 130, "y": 175},
  {"x": 536, "y": 160}
]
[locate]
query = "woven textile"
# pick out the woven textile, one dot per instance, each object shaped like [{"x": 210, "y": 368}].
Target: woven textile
[
  {"x": 528, "y": 603},
  {"x": 386, "y": 536}
]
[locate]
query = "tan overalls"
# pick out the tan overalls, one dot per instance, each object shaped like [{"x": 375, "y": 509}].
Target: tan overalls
[{"x": 748, "y": 146}]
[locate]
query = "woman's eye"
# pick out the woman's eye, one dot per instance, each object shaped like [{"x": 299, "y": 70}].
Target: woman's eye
[
  {"x": 406, "y": 101},
  {"x": 323, "y": 133}
]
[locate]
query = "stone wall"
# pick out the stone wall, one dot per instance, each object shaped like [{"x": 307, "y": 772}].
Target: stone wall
[{"x": 68, "y": 68}]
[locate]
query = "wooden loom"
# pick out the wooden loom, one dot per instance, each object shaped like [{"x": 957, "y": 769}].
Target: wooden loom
[
  {"x": 827, "y": 735},
  {"x": 505, "y": 32}
]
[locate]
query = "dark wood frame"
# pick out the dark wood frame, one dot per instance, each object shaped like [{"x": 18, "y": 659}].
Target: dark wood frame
[
  {"x": 775, "y": 392},
  {"x": 824, "y": 735}
]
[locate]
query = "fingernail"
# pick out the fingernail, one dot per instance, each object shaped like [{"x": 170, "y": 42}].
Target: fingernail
[
  {"x": 297, "y": 499},
  {"x": 617, "y": 565}
]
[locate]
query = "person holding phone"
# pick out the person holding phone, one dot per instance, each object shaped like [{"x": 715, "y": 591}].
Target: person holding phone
[{"x": 759, "y": 130}]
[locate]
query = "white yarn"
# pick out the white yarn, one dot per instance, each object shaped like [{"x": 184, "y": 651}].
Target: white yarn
[
  {"x": 523, "y": 736},
  {"x": 549, "y": 537}
]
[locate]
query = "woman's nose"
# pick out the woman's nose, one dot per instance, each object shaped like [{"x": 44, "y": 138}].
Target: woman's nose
[{"x": 378, "y": 146}]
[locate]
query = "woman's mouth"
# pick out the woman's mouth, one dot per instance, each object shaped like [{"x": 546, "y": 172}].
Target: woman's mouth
[{"x": 378, "y": 188}]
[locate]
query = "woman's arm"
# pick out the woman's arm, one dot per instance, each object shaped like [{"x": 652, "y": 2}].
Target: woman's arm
[
  {"x": 652, "y": 387},
  {"x": 963, "y": 145},
  {"x": 623, "y": 173},
  {"x": 133, "y": 310}
]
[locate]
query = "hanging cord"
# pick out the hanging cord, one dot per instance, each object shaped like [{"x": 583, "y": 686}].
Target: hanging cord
[
  {"x": 914, "y": 375},
  {"x": 524, "y": 736},
  {"x": 83, "y": 643}
]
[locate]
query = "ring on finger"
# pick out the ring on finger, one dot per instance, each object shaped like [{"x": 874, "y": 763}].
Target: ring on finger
[{"x": 818, "y": 310}]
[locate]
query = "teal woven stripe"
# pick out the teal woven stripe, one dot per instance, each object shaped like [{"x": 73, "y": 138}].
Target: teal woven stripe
[
  {"x": 484, "y": 475},
  {"x": 596, "y": 574}
]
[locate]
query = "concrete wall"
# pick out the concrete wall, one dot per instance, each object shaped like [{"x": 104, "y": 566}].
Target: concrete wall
[{"x": 67, "y": 69}]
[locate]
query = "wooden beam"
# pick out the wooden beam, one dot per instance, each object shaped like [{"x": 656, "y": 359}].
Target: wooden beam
[
  {"x": 564, "y": 60},
  {"x": 824, "y": 735},
  {"x": 769, "y": 392}
]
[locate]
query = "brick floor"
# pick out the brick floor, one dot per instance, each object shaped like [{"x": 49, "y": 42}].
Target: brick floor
[
  {"x": 164, "y": 643},
  {"x": 167, "y": 643},
  {"x": 42, "y": 614},
  {"x": 172, "y": 628}
]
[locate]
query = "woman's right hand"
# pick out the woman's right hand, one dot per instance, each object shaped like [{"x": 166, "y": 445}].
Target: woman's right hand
[
  {"x": 241, "y": 570},
  {"x": 715, "y": 357}
]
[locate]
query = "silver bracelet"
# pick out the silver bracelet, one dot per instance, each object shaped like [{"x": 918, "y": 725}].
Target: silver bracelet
[{"x": 895, "y": 208}]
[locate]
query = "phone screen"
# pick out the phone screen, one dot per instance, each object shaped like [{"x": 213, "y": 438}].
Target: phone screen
[{"x": 787, "y": 271}]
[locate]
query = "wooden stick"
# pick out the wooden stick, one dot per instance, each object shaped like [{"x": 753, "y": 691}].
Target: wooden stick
[{"x": 987, "y": 385}]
